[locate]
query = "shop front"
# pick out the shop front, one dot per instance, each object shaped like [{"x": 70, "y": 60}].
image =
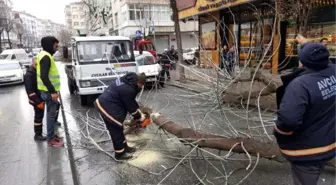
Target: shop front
[
  {"x": 250, "y": 26},
  {"x": 250, "y": 29},
  {"x": 208, "y": 12}
]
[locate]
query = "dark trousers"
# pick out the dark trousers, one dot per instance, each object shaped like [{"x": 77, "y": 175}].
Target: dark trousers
[
  {"x": 165, "y": 71},
  {"x": 306, "y": 175},
  {"x": 117, "y": 135},
  {"x": 38, "y": 120}
]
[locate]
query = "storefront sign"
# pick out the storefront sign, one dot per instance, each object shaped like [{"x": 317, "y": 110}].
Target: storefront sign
[
  {"x": 215, "y": 5},
  {"x": 205, "y": 6}
]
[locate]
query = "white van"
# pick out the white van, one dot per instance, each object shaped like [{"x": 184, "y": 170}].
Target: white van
[{"x": 19, "y": 55}]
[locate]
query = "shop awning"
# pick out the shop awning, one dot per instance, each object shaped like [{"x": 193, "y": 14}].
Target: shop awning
[{"x": 191, "y": 8}]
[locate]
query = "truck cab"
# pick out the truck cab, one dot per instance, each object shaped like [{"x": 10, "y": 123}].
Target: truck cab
[
  {"x": 96, "y": 62},
  {"x": 143, "y": 45}
]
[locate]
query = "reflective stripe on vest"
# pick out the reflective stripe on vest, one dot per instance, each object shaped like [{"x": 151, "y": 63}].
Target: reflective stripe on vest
[
  {"x": 53, "y": 72},
  {"x": 311, "y": 151}
]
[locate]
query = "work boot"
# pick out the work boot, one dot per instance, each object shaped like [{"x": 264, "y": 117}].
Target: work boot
[
  {"x": 56, "y": 143},
  {"x": 129, "y": 149},
  {"x": 123, "y": 156},
  {"x": 39, "y": 138}
]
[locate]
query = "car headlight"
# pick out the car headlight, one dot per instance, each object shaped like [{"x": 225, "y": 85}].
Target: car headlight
[{"x": 85, "y": 83}]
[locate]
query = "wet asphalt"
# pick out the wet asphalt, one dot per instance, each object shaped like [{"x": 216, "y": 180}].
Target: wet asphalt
[{"x": 24, "y": 161}]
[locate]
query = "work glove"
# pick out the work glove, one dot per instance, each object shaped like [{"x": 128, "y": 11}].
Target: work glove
[
  {"x": 40, "y": 106},
  {"x": 145, "y": 120}
]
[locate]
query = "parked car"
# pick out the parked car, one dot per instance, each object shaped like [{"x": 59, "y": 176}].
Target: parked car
[
  {"x": 189, "y": 55},
  {"x": 19, "y": 55},
  {"x": 11, "y": 72},
  {"x": 148, "y": 65}
]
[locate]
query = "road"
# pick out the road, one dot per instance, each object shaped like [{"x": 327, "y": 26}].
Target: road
[{"x": 24, "y": 161}]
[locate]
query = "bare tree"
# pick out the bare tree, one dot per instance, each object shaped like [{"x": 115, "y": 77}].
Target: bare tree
[
  {"x": 298, "y": 11},
  {"x": 64, "y": 37},
  {"x": 8, "y": 29},
  {"x": 5, "y": 13},
  {"x": 175, "y": 18},
  {"x": 97, "y": 15}
]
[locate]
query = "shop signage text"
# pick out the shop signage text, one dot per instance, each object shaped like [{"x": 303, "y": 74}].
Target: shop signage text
[{"x": 215, "y": 5}]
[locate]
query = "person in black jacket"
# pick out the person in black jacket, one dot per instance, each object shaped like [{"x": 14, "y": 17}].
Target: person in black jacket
[
  {"x": 36, "y": 101},
  {"x": 305, "y": 128},
  {"x": 165, "y": 62},
  {"x": 114, "y": 104}
]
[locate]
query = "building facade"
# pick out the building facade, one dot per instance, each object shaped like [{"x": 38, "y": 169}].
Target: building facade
[
  {"x": 153, "y": 19},
  {"x": 77, "y": 18},
  {"x": 30, "y": 35}
]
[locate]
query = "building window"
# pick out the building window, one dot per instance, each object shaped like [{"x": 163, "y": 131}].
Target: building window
[
  {"x": 76, "y": 23},
  {"x": 82, "y": 23},
  {"x": 131, "y": 12},
  {"x": 75, "y": 16}
]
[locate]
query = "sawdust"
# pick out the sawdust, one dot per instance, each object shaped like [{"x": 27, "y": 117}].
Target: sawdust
[{"x": 144, "y": 158}]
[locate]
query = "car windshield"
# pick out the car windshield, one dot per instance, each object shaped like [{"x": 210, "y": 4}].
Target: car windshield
[
  {"x": 4, "y": 56},
  {"x": 10, "y": 66},
  {"x": 101, "y": 51},
  {"x": 145, "y": 60}
]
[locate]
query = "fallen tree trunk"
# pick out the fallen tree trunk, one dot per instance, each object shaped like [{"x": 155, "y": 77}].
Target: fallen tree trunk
[
  {"x": 253, "y": 147},
  {"x": 268, "y": 150}
]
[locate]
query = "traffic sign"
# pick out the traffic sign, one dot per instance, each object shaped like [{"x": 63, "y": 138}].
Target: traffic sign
[{"x": 138, "y": 32}]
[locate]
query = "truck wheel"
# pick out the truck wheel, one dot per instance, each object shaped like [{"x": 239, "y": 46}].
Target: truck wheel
[
  {"x": 71, "y": 87},
  {"x": 83, "y": 100}
]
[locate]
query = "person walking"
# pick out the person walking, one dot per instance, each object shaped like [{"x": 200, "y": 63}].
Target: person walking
[
  {"x": 48, "y": 83},
  {"x": 305, "y": 126},
  {"x": 114, "y": 104}
]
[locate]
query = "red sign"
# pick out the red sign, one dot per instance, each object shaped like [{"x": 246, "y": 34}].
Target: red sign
[{"x": 184, "y": 4}]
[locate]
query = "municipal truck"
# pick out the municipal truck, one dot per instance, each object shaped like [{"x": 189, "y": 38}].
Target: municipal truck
[{"x": 96, "y": 62}]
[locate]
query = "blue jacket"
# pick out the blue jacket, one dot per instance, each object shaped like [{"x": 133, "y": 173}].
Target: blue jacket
[
  {"x": 305, "y": 128},
  {"x": 119, "y": 98}
]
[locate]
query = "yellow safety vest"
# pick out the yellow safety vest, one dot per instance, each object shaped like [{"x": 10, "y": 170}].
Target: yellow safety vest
[{"x": 53, "y": 72}]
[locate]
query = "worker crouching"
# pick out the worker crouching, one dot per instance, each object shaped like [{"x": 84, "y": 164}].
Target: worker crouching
[{"x": 114, "y": 104}]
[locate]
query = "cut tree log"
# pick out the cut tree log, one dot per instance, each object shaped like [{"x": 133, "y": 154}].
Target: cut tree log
[{"x": 268, "y": 150}]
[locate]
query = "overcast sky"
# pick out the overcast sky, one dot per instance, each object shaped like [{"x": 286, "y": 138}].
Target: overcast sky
[{"x": 44, "y": 9}]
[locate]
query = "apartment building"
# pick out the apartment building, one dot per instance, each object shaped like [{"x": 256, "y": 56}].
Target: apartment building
[
  {"x": 153, "y": 18},
  {"x": 77, "y": 18},
  {"x": 29, "y": 22}
]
